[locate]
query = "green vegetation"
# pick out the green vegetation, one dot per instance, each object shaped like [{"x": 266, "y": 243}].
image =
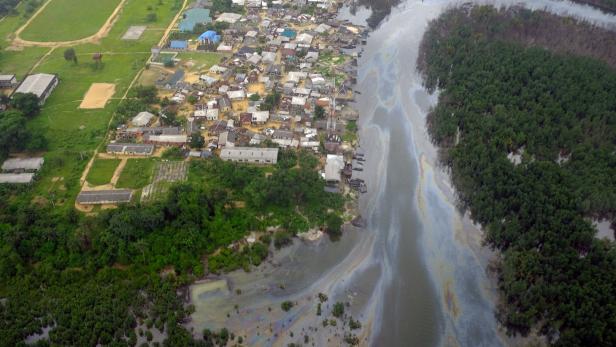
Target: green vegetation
[
  {"x": 7, "y": 7},
  {"x": 286, "y": 305},
  {"x": 338, "y": 310},
  {"x": 101, "y": 171},
  {"x": 202, "y": 60},
  {"x": 558, "y": 113},
  {"x": 173, "y": 153},
  {"x": 28, "y": 104},
  {"x": 57, "y": 266},
  {"x": 137, "y": 173},
  {"x": 65, "y": 20}
]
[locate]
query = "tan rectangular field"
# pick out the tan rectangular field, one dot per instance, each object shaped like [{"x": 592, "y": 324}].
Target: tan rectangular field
[{"x": 98, "y": 95}]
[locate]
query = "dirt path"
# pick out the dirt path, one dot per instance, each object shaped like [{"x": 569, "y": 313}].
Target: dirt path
[
  {"x": 40, "y": 61},
  {"x": 102, "y": 32},
  {"x": 118, "y": 172}
]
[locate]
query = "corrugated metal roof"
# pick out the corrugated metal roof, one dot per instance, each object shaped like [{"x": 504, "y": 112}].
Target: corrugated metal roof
[
  {"x": 16, "y": 178},
  {"x": 97, "y": 197},
  {"x": 30, "y": 164},
  {"x": 36, "y": 84}
]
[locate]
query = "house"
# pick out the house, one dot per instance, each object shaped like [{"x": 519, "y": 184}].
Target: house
[
  {"x": 226, "y": 139},
  {"x": 142, "y": 119},
  {"x": 245, "y": 119},
  {"x": 304, "y": 38},
  {"x": 41, "y": 85},
  {"x": 130, "y": 149},
  {"x": 250, "y": 155},
  {"x": 7, "y": 81},
  {"x": 21, "y": 178},
  {"x": 100, "y": 197},
  {"x": 193, "y": 17},
  {"x": 224, "y": 104},
  {"x": 227, "y": 17},
  {"x": 333, "y": 168},
  {"x": 260, "y": 117},
  {"x": 224, "y": 48},
  {"x": 211, "y": 114},
  {"x": 180, "y": 45},
  {"x": 166, "y": 140},
  {"x": 257, "y": 139},
  {"x": 21, "y": 165},
  {"x": 174, "y": 80},
  {"x": 236, "y": 94},
  {"x": 268, "y": 57},
  {"x": 217, "y": 128}
]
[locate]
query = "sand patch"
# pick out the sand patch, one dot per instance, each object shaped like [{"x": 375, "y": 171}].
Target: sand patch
[
  {"x": 98, "y": 95},
  {"x": 257, "y": 88}
]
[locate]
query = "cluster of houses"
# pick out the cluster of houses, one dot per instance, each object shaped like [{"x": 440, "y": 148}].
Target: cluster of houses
[{"x": 284, "y": 80}]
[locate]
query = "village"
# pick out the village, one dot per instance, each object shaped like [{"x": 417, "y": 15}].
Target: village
[{"x": 239, "y": 80}]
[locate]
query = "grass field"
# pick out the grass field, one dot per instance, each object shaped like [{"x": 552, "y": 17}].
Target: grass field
[
  {"x": 137, "y": 173},
  {"x": 65, "y": 20},
  {"x": 73, "y": 133},
  {"x": 102, "y": 171}
]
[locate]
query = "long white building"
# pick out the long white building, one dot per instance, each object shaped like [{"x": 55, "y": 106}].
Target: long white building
[{"x": 250, "y": 155}]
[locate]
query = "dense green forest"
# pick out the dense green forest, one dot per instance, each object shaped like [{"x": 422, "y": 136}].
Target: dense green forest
[
  {"x": 95, "y": 279},
  {"x": 7, "y": 6},
  {"x": 556, "y": 112}
]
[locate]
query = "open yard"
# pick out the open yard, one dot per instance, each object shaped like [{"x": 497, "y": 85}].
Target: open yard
[
  {"x": 199, "y": 61},
  {"x": 66, "y": 20},
  {"x": 102, "y": 171},
  {"x": 137, "y": 173}
]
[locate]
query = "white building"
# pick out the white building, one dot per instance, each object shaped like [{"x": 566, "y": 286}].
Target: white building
[
  {"x": 142, "y": 119},
  {"x": 260, "y": 117},
  {"x": 40, "y": 85},
  {"x": 333, "y": 168},
  {"x": 250, "y": 155}
]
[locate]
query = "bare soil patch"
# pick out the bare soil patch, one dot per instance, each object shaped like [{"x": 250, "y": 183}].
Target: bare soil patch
[{"x": 98, "y": 95}]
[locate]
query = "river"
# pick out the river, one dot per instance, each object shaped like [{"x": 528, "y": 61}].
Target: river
[{"x": 417, "y": 275}]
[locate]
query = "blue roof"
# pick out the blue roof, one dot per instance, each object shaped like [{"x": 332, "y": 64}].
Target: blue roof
[
  {"x": 193, "y": 17},
  {"x": 209, "y": 35},
  {"x": 290, "y": 33},
  {"x": 177, "y": 44}
]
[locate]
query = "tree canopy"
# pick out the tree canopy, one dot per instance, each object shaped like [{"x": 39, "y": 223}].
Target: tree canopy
[{"x": 557, "y": 115}]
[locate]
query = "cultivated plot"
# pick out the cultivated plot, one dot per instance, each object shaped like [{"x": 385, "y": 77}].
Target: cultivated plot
[
  {"x": 166, "y": 173},
  {"x": 98, "y": 95}
]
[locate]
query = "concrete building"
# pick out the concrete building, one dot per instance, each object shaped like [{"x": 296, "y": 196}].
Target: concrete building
[
  {"x": 250, "y": 155},
  {"x": 333, "y": 168},
  {"x": 7, "y": 81},
  {"x": 19, "y": 165},
  {"x": 142, "y": 119},
  {"x": 130, "y": 149},
  {"x": 40, "y": 85},
  {"x": 12, "y": 178},
  {"x": 100, "y": 197}
]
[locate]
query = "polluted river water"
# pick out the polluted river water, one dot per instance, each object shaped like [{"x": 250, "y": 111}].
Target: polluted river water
[{"x": 417, "y": 274}]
